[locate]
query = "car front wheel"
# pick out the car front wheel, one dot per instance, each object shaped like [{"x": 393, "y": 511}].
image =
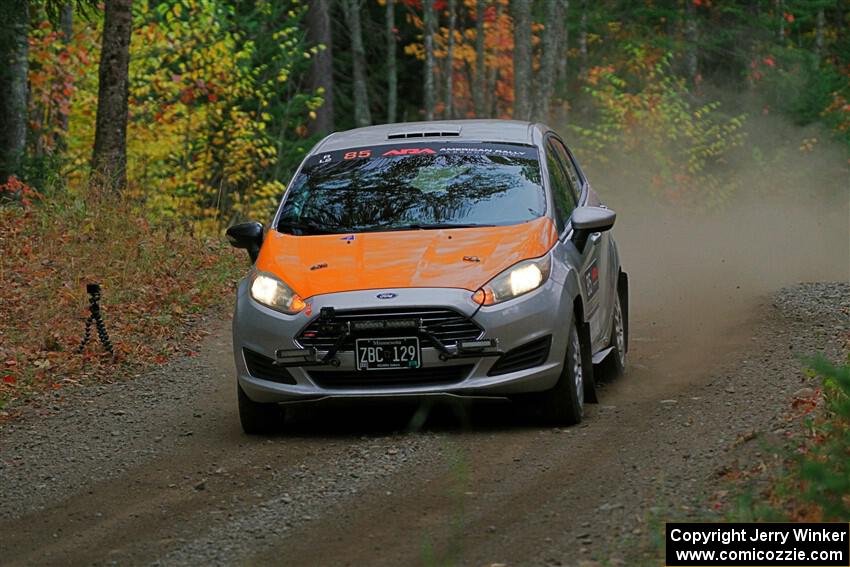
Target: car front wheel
[{"x": 564, "y": 404}]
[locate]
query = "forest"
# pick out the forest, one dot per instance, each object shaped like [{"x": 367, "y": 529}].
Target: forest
[
  {"x": 134, "y": 132},
  {"x": 198, "y": 110}
]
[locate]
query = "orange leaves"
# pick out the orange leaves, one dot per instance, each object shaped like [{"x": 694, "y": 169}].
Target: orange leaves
[
  {"x": 16, "y": 190},
  {"x": 498, "y": 49},
  {"x": 55, "y": 67},
  {"x": 157, "y": 279}
]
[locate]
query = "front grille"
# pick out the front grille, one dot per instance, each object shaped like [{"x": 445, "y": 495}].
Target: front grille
[
  {"x": 447, "y": 325},
  {"x": 365, "y": 379},
  {"x": 525, "y": 356},
  {"x": 263, "y": 367}
]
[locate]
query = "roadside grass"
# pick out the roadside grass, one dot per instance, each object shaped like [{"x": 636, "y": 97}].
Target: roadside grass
[
  {"x": 158, "y": 281},
  {"x": 812, "y": 481},
  {"x": 807, "y": 480}
]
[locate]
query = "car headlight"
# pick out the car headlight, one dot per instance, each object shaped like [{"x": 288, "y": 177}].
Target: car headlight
[
  {"x": 517, "y": 280},
  {"x": 274, "y": 293}
]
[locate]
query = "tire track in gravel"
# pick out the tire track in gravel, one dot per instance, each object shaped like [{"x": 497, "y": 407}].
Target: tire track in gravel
[
  {"x": 344, "y": 487},
  {"x": 502, "y": 496}
]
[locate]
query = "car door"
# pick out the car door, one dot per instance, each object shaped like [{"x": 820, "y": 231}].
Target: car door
[
  {"x": 565, "y": 197},
  {"x": 600, "y": 275}
]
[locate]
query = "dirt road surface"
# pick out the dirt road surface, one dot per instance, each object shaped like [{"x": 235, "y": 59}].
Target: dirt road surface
[{"x": 155, "y": 470}]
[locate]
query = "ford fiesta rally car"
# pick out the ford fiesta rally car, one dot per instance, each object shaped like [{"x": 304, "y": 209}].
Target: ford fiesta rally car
[{"x": 466, "y": 258}]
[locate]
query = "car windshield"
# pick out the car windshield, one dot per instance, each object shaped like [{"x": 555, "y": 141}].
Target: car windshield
[{"x": 414, "y": 187}]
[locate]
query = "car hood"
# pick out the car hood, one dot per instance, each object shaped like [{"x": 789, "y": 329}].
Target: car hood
[{"x": 455, "y": 258}]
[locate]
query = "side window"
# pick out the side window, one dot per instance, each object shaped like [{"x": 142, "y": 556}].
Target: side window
[
  {"x": 564, "y": 203},
  {"x": 572, "y": 172}
]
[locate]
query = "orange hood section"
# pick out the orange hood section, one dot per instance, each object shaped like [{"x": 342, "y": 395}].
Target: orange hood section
[{"x": 316, "y": 265}]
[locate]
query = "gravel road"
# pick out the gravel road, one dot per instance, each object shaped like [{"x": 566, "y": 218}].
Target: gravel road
[{"x": 155, "y": 470}]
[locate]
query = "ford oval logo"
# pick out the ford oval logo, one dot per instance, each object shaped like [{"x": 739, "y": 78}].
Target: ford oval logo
[{"x": 386, "y": 295}]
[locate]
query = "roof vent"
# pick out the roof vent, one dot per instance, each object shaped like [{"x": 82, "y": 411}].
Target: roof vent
[{"x": 423, "y": 134}]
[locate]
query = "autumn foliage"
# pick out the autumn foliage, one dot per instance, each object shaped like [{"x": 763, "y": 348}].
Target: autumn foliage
[{"x": 158, "y": 283}]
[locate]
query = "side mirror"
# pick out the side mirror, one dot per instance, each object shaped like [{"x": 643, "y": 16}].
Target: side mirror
[
  {"x": 586, "y": 220},
  {"x": 247, "y": 235}
]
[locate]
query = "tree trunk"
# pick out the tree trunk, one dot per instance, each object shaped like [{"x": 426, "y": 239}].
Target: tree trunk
[
  {"x": 582, "y": 40},
  {"x": 450, "y": 62},
  {"x": 821, "y": 24},
  {"x": 691, "y": 39},
  {"x": 561, "y": 78},
  {"x": 362, "y": 115},
  {"x": 430, "y": 24},
  {"x": 492, "y": 74},
  {"x": 321, "y": 72},
  {"x": 66, "y": 22},
  {"x": 480, "y": 67},
  {"x": 552, "y": 53},
  {"x": 521, "y": 11},
  {"x": 14, "y": 66},
  {"x": 780, "y": 13},
  {"x": 109, "y": 162},
  {"x": 392, "y": 70},
  {"x": 67, "y": 25}
]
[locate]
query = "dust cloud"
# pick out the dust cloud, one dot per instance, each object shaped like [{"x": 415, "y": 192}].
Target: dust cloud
[{"x": 698, "y": 276}]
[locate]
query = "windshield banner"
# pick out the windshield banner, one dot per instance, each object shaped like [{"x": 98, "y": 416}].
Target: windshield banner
[{"x": 424, "y": 148}]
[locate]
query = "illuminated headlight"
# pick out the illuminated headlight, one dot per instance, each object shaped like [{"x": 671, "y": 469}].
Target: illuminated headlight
[
  {"x": 515, "y": 281},
  {"x": 274, "y": 293}
]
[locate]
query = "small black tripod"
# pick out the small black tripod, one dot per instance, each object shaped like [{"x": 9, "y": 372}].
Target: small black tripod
[{"x": 94, "y": 306}]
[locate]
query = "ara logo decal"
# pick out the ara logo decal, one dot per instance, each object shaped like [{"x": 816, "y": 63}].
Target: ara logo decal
[
  {"x": 386, "y": 295},
  {"x": 591, "y": 279},
  {"x": 409, "y": 152}
]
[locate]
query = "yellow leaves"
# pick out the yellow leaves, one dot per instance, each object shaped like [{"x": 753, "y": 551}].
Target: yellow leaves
[{"x": 652, "y": 109}]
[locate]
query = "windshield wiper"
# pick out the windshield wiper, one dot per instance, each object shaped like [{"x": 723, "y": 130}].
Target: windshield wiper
[{"x": 431, "y": 226}]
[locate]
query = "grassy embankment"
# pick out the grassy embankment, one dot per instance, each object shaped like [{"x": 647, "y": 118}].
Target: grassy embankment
[{"x": 158, "y": 282}]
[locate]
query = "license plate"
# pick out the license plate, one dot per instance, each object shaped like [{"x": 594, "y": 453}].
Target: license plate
[{"x": 383, "y": 353}]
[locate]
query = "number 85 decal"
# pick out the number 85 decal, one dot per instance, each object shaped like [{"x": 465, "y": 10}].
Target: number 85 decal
[{"x": 355, "y": 155}]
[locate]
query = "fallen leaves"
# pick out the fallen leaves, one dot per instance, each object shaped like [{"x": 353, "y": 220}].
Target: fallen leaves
[{"x": 157, "y": 280}]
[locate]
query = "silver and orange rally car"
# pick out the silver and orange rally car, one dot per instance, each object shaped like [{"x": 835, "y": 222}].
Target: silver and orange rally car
[{"x": 459, "y": 258}]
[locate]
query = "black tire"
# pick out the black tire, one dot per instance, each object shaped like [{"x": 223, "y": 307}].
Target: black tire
[
  {"x": 257, "y": 418},
  {"x": 564, "y": 404},
  {"x": 614, "y": 364}
]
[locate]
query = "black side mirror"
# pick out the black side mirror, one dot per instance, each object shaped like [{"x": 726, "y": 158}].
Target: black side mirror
[
  {"x": 587, "y": 220},
  {"x": 247, "y": 235}
]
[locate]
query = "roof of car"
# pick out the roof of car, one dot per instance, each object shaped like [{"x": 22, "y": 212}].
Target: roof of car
[{"x": 515, "y": 131}]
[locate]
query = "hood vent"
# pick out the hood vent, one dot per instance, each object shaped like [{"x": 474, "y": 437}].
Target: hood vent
[{"x": 423, "y": 134}]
